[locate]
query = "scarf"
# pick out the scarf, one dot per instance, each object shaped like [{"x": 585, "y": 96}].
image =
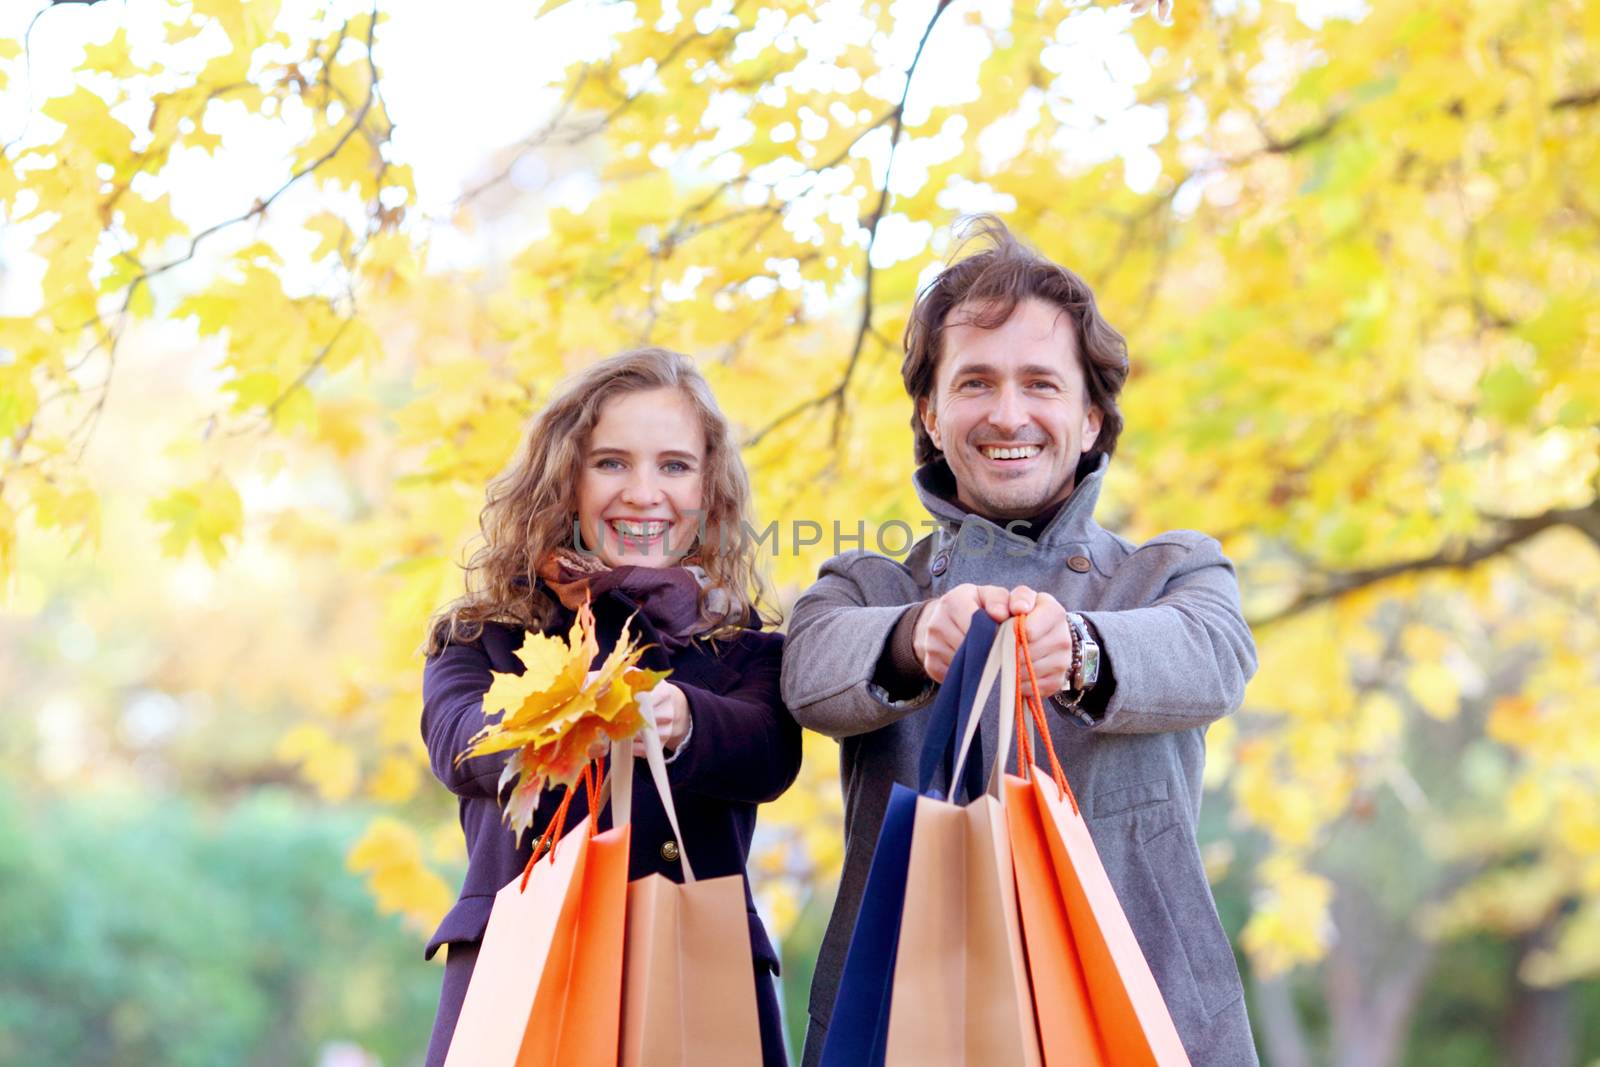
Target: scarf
[{"x": 670, "y": 597}]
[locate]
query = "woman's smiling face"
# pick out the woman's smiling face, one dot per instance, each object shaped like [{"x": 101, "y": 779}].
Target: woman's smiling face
[{"x": 640, "y": 490}]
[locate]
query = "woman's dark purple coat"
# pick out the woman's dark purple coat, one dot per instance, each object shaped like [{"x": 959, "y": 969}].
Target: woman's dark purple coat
[{"x": 744, "y": 750}]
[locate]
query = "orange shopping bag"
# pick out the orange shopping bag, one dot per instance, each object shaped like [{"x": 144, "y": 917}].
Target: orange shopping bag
[
  {"x": 1098, "y": 1003},
  {"x": 547, "y": 987},
  {"x": 1068, "y": 1035}
]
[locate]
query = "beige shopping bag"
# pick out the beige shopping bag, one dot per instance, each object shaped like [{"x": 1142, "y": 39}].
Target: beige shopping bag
[
  {"x": 961, "y": 994},
  {"x": 689, "y": 995}
]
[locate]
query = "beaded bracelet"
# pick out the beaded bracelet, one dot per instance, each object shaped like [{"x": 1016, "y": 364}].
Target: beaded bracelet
[{"x": 1079, "y": 636}]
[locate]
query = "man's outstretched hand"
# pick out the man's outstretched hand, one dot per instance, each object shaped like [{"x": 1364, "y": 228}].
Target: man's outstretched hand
[
  {"x": 1049, "y": 638},
  {"x": 942, "y": 626}
]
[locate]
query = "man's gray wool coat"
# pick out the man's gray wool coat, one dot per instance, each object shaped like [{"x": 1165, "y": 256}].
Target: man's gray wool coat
[{"x": 1168, "y": 618}]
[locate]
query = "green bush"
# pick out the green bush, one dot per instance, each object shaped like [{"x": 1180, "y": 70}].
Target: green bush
[{"x": 156, "y": 932}]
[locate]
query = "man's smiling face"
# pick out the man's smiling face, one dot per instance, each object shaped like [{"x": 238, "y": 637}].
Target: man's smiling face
[{"x": 1010, "y": 411}]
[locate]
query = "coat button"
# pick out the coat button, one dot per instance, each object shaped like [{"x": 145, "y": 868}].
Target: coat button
[
  {"x": 669, "y": 851},
  {"x": 941, "y": 563},
  {"x": 1079, "y": 564}
]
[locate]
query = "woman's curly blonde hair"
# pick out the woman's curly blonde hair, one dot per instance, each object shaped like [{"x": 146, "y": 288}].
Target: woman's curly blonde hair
[{"x": 532, "y": 505}]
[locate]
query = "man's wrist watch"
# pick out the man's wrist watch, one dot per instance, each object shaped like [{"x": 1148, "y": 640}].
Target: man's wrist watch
[
  {"x": 1085, "y": 670},
  {"x": 1085, "y": 655}
]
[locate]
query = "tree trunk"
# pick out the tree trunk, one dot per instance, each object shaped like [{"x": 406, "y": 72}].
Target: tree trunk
[
  {"x": 1541, "y": 1023},
  {"x": 1277, "y": 1020},
  {"x": 1373, "y": 977}
]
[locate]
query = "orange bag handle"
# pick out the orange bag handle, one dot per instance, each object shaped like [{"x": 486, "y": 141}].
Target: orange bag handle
[
  {"x": 1028, "y": 699},
  {"x": 591, "y": 779},
  {"x": 593, "y": 786}
]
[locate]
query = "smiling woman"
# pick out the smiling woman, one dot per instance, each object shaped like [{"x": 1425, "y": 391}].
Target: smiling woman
[
  {"x": 628, "y": 499},
  {"x": 641, "y": 492},
  {"x": 633, "y": 445}
]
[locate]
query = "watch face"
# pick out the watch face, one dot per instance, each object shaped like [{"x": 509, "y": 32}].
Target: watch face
[{"x": 1089, "y": 673}]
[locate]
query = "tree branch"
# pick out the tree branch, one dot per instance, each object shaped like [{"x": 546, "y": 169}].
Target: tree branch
[
  {"x": 261, "y": 205},
  {"x": 1309, "y": 135},
  {"x": 1282, "y": 1034},
  {"x": 683, "y": 229},
  {"x": 309, "y": 369},
  {"x": 1581, "y": 98},
  {"x": 836, "y": 395},
  {"x": 110, "y": 338},
  {"x": 529, "y": 143},
  {"x": 547, "y": 135},
  {"x": 1512, "y": 532}
]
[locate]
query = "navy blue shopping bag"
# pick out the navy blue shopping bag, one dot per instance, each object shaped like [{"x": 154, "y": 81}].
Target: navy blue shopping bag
[
  {"x": 949, "y": 715},
  {"x": 858, "y": 1028}
]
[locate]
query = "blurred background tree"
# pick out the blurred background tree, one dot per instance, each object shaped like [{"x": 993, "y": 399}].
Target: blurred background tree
[
  {"x": 260, "y": 353},
  {"x": 155, "y": 933}
]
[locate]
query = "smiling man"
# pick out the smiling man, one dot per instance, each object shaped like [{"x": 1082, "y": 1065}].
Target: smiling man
[{"x": 1014, "y": 376}]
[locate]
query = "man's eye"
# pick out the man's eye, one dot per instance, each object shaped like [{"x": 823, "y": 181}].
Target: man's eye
[
  {"x": 971, "y": 383},
  {"x": 1049, "y": 387}
]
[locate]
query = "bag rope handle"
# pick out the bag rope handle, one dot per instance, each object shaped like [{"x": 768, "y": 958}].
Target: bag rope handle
[
  {"x": 591, "y": 779},
  {"x": 1028, "y": 698}
]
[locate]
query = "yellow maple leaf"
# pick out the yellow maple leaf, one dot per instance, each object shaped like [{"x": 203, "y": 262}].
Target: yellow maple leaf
[
  {"x": 543, "y": 657},
  {"x": 557, "y": 707},
  {"x": 204, "y": 515}
]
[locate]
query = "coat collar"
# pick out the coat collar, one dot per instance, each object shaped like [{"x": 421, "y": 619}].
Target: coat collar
[
  {"x": 935, "y": 487},
  {"x": 613, "y": 607}
]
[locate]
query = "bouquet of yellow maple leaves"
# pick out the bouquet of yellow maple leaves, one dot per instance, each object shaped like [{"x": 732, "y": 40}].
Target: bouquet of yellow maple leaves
[{"x": 556, "y": 708}]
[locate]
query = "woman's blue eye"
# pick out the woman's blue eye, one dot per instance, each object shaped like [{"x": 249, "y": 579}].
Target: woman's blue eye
[
  {"x": 676, "y": 466},
  {"x": 609, "y": 464}
]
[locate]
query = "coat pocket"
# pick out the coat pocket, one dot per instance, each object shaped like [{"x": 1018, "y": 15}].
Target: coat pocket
[
  {"x": 1129, "y": 798},
  {"x": 464, "y": 922},
  {"x": 1149, "y": 852},
  {"x": 1177, "y": 877}
]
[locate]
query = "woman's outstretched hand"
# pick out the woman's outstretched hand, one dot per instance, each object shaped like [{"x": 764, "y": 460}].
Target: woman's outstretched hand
[{"x": 670, "y": 709}]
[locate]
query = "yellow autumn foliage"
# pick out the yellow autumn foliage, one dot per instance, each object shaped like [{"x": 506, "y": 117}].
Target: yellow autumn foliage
[{"x": 1356, "y": 257}]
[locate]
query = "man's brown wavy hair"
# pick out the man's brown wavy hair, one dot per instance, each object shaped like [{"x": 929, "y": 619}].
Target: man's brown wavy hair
[
  {"x": 532, "y": 506},
  {"x": 987, "y": 286}
]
